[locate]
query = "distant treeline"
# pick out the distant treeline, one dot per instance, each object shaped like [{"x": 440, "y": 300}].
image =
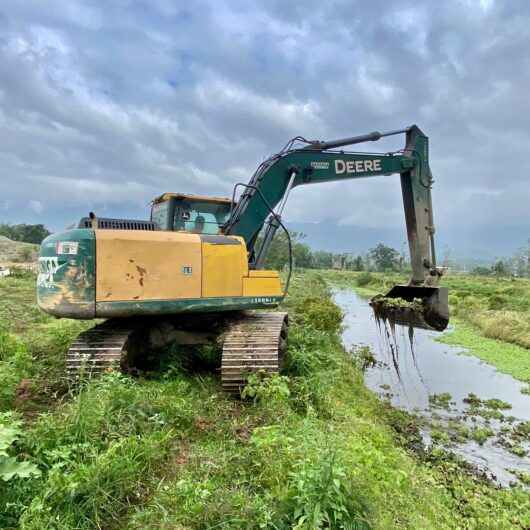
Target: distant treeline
[
  {"x": 23, "y": 232},
  {"x": 383, "y": 258},
  {"x": 379, "y": 258}
]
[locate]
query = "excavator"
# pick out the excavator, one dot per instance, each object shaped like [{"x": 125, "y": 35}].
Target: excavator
[{"x": 194, "y": 273}]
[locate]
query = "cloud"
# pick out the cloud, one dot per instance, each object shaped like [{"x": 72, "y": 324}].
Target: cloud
[
  {"x": 108, "y": 104},
  {"x": 35, "y": 206}
]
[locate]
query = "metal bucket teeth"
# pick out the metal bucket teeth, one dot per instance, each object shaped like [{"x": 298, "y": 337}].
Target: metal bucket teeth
[{"x": 254, "y": 343}]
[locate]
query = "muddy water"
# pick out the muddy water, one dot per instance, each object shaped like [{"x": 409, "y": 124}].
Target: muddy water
[{"x": 431, "y": 367}]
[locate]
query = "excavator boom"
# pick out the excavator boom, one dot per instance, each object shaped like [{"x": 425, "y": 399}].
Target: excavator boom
[{"x": 320, "y": 162}]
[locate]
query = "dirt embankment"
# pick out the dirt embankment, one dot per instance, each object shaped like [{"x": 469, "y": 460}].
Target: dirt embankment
[{"x": 18, "y": 253}]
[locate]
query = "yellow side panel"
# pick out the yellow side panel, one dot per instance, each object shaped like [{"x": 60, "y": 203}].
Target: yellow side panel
[
  {"x": 143, "y": 265},
  {"x": 263, "y": 274},
  {"x": 262, "y": 286},
  {"x": 223, "y": 268}
]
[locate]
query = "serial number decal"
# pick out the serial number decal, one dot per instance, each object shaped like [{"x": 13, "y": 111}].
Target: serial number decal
[
  {"x": 357, "y": 166},
  {"x": 263, "y": 300},
  {"x": 320, "y": 165},
  {"x": 67, "y": 247}
]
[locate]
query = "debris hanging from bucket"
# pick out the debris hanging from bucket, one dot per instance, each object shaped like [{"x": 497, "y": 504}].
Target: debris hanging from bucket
[{"x": 414, "y": 307}]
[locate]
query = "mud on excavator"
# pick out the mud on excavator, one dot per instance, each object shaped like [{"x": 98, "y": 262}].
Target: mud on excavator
[{"x": 194, "y": 273}]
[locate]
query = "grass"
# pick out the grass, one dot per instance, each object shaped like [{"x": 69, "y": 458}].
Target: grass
[
  {"x": 491, "y": 317},
  {"x": 313, "y": 448},
  {"x": 507, "y": 358}
]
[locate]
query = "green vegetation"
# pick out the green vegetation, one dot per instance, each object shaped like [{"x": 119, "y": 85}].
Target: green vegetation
[
  {"x": 491, "y": 316},
  {"x": 518, "y": 450},
  {"x": 23, "y": 232},
  {"x": 310, "y": 449},
  {"x": 481, "y": 435},
  {"x": 522, "y": 476},
  {"x": 441, "y": 401},
  {"x": 17, "y": 252}
]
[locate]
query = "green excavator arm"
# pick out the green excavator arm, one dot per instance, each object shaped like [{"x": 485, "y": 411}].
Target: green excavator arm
[{"x": 264, "y": 197}]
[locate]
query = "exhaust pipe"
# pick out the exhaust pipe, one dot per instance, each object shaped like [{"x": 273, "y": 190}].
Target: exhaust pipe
[{"x": 419, "y": 307}]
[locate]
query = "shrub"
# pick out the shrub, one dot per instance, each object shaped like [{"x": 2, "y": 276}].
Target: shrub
[
  {"x": 497, "y": 301},
  {"x": 272, "y": 389},
  {"x": 15, "y": 364},
  {"x": 10, "y": 467},
  {"x": 320, "y": 314},
  {"x": 323, "y": 496},
  {"x": 364, "y": 279}
]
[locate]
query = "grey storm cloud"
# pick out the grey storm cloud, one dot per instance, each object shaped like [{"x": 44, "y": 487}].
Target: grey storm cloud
[{"x": 108, "y": 104}]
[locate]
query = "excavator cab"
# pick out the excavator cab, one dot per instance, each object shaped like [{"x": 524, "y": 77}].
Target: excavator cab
[{"x": 190, "y": 213}]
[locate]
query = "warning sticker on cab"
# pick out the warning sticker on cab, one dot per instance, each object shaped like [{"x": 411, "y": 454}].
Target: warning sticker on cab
[{"x": 66, "y": 247}]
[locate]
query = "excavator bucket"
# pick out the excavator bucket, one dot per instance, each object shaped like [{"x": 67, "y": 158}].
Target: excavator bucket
[{"x": 419, "y": 307}]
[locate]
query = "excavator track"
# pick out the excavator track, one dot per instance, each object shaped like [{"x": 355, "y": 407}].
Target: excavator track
[
  {"x": 254, "y": 343},
  {"x": 102, "y": 348}
]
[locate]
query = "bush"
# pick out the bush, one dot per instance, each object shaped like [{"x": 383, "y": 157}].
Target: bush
[
  {"x": 364, "y": 279},
  {"x": 15, "y": 364},
  {"x": 320, "y": 314},
  {"x": 323, "y": 496},
  {"x": 497, "y": 301}
]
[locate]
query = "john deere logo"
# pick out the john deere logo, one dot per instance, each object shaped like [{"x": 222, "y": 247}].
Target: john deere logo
[
  {"x": 357, "y": 166},
  {"x": 320, "y": 165}
]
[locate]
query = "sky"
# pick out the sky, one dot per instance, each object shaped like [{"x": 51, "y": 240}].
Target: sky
[{"x": 105, "y": 105}]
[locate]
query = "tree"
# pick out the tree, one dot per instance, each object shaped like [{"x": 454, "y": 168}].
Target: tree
[
  {"x": 446, "y": 256},
  {"x": 499, "y": 268},
  {"x": 385, "y": 258},
  {"x": 278, "y": 255},
  {"x": 521, "y": 262},
  {"x": 23, "y": 232},
  {"x": 302, "y": 255},
  {"x": 481, "y": 271},
  {"x": 323, "y": 259},
  {"x": 358, "y": 264},
  {"x": 403, "y": 262}
]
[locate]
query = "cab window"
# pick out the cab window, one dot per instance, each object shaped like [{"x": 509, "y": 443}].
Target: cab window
[
  {"x": 159, "y": 213},
  {"x": 200, "y": 217}
]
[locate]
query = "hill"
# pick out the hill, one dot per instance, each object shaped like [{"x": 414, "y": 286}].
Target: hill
[{"x": 17, "y": 251}]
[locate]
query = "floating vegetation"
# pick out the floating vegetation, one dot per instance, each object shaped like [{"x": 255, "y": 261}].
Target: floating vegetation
[
  {"x": 481, "y": 435},
  {"x": 521, "y": 475},
  {"x": 472, "y": 399},
  {"x": 518, "y": 450},
  {"x": 363, "y": 357},
  {"x": 441, "y": 401},
  {"x": 440, "y": 437},
  {"x": 497, "y": 404},
  {"x": 488, "y": 409},
  {"x": 522, "y": 431},
  {"x": 493, "y": 414}
]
